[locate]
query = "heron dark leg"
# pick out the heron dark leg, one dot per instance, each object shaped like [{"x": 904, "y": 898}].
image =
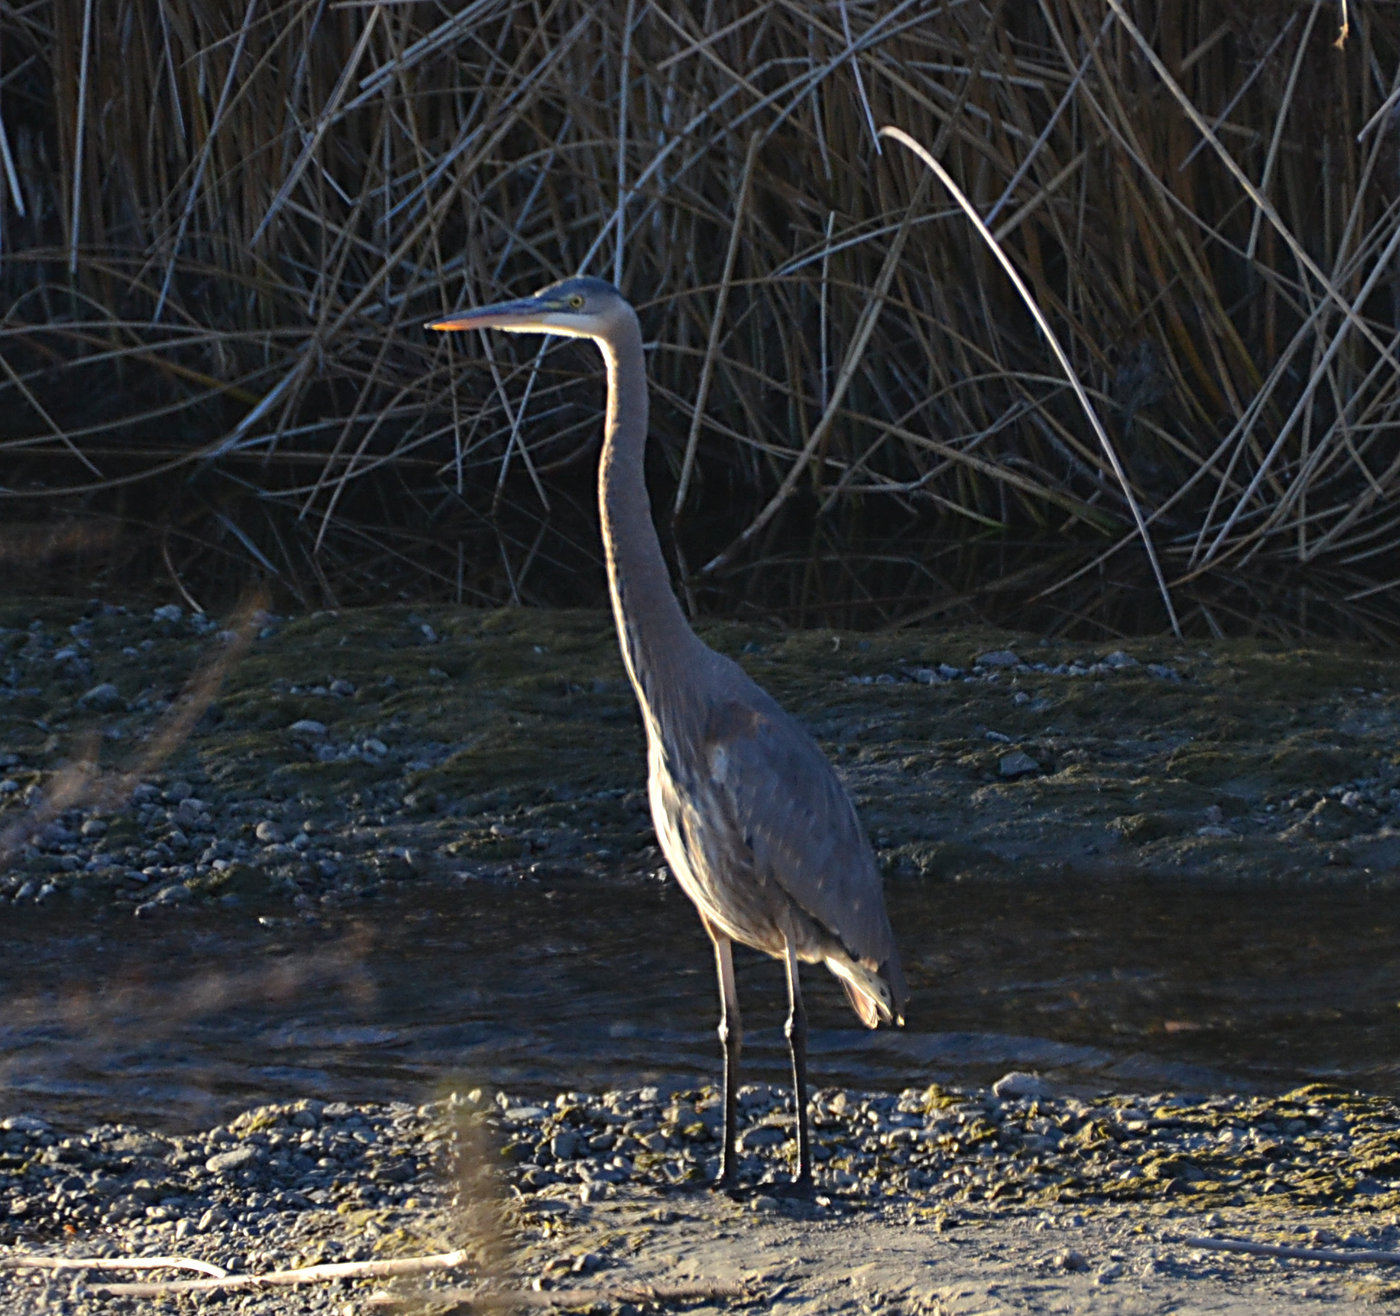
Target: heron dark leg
[
  {"x": 796, "y": 1030},
  {"x": 731, "y": 1037}
]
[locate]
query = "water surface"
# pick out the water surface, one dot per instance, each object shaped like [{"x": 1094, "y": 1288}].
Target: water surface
[{"x": 186, "y": 1018}]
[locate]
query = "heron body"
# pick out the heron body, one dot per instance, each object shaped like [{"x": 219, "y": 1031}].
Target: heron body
[{"x": 750, "y": 815}]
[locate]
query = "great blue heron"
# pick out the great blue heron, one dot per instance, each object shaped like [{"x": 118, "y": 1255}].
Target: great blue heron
[{"x": 751, "y": 818}]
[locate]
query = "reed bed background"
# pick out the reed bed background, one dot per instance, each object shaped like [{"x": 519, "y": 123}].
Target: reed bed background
[{"x": 224, "y": 222}]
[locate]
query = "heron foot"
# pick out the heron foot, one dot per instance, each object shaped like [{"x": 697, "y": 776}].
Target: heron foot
[
  {"x": 798, "y": 1187},
  {"x": 727, "y": 1183},
  {"x": 795, "y": 1190}
]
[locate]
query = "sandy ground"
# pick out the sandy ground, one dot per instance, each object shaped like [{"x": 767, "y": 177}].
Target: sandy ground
[
  {"x": 855, "y": 1259},
  {"x": 645, "y": 1247}
]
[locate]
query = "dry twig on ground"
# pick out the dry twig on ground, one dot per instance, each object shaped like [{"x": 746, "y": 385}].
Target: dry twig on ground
[{"x": 1340, "y": 1256}]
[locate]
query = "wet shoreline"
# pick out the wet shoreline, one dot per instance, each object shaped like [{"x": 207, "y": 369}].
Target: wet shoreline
[{"x": 243, "y": 797}]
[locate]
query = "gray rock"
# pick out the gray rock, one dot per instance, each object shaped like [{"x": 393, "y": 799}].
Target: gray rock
[
  {"x": 1020, "y": 1086},
  {"x": 190, "y": 811},
  {"x": 762, "y": 1135},
  {"x": 522, "y": 1114},
  {"x": 237, "y": 1159},
  {"x": 1017, "y": 764},
  {"x": 998, "y": 658},
  {"x": 564, "y": 1145},
  {"x": 104, "y": 698},
  {"x": 134, "y": 1142},
  {"x": 23, "y": 1124}
]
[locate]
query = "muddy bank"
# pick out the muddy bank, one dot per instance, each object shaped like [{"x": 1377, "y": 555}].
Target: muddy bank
[{"x": 159, "y": 757}]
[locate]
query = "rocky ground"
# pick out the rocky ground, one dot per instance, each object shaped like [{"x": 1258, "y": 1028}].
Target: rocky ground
[
  {"x": 153, "y": 758},
  {"x": 158, "y": 756},
  {"x": 927, "y": 1201}
]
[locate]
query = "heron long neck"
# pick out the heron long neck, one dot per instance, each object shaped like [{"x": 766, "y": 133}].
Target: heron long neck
[{"x": 658, "y": 646}]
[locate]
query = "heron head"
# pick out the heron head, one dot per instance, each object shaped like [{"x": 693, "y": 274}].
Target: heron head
[{"x": 576, "y": 308}]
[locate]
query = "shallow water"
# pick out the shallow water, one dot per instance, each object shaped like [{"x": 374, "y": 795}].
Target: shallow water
[{"x": 184, "y": 1019}]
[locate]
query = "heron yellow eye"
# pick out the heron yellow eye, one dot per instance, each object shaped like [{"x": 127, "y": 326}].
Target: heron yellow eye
[{"x": 576, "y": 301}]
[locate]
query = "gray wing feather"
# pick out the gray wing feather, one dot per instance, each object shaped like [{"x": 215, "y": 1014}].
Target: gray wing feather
[{"x": 795, "y": 818}]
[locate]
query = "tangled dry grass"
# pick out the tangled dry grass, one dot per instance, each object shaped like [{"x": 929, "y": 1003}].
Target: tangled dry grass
[{"x": 223, "y": 222}]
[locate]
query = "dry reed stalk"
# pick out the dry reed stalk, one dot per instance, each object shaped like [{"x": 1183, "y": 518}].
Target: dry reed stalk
[{"x": 224, "y": 221}]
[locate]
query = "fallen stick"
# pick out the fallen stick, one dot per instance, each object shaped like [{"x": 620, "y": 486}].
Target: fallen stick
[
  {"x": 300, "y": 1275},
  {"x": 564, "y": 1299},
  {"x": 110, "y": 1263},
  {"x": 1342, "y": 1256}
]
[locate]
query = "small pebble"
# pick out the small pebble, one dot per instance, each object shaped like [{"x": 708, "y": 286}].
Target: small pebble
[
  {"x": 229, "y": 1161},
  {"x": 998, "y": 658},
  {"x": 1019, "y": 1086},
  {"x": 104, "y": 698},
  {"x": 1017, "y": 764}
]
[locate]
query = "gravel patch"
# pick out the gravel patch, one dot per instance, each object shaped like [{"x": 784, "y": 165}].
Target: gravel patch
[
  {"x": 156, "y": 758},
  {"x": 291, "y": 1185},
  {"x": 589, "y": 1184}
]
